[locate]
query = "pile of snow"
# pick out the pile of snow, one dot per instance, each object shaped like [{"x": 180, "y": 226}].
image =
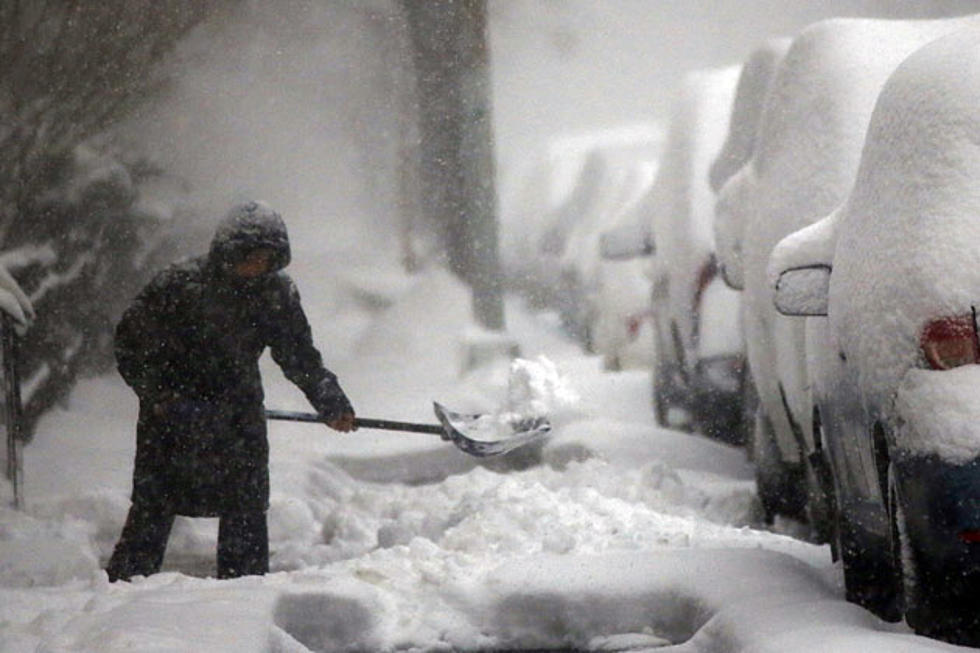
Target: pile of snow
[
  {"x": 536, "y": 391},
  {"x": 536, "y": 388}
]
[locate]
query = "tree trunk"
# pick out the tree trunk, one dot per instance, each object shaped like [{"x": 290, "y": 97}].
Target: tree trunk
[{"x": 457, "y": 165}]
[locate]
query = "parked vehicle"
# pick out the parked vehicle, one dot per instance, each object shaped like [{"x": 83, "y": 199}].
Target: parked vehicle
[
  {"x": 750, "y": 97},
  {"x": 620, "y": 322},
  {"x": 576, "y": 186},
  {"x": 896, "y": 269},
  {"x": 697, "y": 370},
  {"x": 809, "y": 144},
  {"x": 626, "y": 175},
  {"x": 740, "y": 144}
]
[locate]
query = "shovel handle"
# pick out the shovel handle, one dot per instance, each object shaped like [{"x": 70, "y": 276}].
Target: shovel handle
[{"x": 359, "y": 422}]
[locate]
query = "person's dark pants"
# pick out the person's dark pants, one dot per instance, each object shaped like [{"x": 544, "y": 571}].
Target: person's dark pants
[{"x": 243, "y": 544}]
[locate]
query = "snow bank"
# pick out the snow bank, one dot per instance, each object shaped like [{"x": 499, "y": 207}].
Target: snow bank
[
  {"x": 167, "y": 613},
  {"x": 36, "y": 552},
  {"x": 668, "y": 596}
]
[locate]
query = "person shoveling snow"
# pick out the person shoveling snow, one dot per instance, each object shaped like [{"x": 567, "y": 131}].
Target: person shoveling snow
[{"x": 189, "y": 346}]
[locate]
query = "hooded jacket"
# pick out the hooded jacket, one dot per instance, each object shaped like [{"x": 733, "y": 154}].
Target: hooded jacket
[{"x": 189, "y": 346}]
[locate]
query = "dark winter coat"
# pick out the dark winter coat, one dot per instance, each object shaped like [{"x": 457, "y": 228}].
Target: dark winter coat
[{"x": 189, "y": 346}]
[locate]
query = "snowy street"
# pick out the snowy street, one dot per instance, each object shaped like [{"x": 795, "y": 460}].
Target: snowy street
[
  {"x": 614, "y": 535},
  {"x": 713, "y": 266}
]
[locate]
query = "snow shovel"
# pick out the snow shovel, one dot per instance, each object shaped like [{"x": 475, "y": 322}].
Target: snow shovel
[{"x": 461, "y": 429}]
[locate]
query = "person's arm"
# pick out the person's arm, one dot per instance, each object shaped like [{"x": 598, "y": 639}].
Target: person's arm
[{"x": 293, "y": 350}]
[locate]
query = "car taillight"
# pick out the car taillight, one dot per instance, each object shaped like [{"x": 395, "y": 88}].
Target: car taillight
[
  {"x": 970, "y": 537},
  {"x": 950, "y": 342},
  {"x": 633, "y": 324},
  {"x": 707, "y": 273}
]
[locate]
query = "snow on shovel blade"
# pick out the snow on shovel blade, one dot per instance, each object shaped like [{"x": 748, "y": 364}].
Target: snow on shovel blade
[{"x": 484, "y": 435}]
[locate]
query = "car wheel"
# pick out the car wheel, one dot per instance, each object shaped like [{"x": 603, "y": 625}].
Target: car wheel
[
  {"x": 868, "y": 570},
  {"x": 867, "y": 560},
  {"x": 822, "y": 502},
  {"x": 660, "y": 405},
  {"x": 750, "y": 407},
  {"x": 902, "y": 557},
  {"x": 669, "y": 397},
  {"x": 780, "y": 484}
]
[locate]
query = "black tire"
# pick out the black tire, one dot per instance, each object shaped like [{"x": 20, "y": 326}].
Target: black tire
[
  {"x": 660, "y": 405},
  {"x": 750, "y": 408},
  {"x": 720, "y": 414},
  {"x": 780, "y": 485},
  {"x": 822, "y": 501},
  {"x": 868, "y": 561},
  {"x": 667, "y": 395},
  {"x": 869, "y": 574},
  {"x": 905, "y": 568}
]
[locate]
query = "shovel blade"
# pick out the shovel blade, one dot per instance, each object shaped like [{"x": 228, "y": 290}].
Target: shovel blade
[{"x": 481, "y": 435}]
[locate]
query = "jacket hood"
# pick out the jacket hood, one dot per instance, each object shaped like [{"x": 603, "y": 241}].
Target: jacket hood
[{"x": 249, "y": 226}]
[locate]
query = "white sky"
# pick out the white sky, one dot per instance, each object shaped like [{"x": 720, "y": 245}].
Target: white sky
[{"x": 574, "y": 64}]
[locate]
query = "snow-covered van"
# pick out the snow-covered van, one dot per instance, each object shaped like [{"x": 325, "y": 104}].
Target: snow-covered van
[{"x": 896, "y": 269}]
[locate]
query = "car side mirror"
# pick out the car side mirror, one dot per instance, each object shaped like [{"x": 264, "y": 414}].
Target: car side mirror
[
  {"x": 803, "y": 292},
  {"x": 623, "y": 245}
]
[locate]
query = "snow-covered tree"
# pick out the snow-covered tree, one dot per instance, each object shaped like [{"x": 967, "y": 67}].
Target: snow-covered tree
[
  {"x": 70, "y": 69},
  {"x": 69, "y": 228}
]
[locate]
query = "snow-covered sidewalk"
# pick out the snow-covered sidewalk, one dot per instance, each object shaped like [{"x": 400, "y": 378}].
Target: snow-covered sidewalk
[{"x": 613, "y": 535}]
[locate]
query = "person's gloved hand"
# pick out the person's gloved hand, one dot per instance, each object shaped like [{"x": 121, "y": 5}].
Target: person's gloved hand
[{"x": 344, "y": 423}]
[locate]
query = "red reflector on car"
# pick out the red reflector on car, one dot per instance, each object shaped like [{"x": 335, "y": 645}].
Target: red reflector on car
[
  {"x": 970, "y": 537},
  {"x": 633, "y": 327},
  {"x": 950, "y": 342}
]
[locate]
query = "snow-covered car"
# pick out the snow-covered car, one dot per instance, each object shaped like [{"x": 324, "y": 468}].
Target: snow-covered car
[
  {"x": 578, "y": 184},
  {"x": 743, "y": 131},
  {"x": 627, "y": 174},
  {"x": 809, "y": 143},
  {"x": 699, "y": 372},
  {"x": 620, "y": 323},
  {"x": 550, "y": 185},
  {"x": 698, "y": 363},
  {"x": 896, "y": 268},
  {"x": 750, "y": 98},
  {"x": 621, "y": 328}
]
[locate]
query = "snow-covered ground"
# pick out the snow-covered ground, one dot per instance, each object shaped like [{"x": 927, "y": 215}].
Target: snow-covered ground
[{"x": 612, "y": 535}]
